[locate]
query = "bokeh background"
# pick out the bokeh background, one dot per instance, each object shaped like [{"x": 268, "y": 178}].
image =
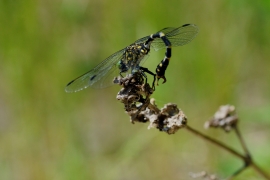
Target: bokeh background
[{"x": 46, "y": 133}]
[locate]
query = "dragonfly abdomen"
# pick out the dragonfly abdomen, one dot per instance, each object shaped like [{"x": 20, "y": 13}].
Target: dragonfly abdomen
[{"x": 162, "y": 66}]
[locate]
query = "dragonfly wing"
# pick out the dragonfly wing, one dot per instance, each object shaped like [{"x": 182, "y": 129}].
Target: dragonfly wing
[
  {"x": 165, "y": 30},
  {"x": 177, "y": 36},
  {"x": 141, "y": 40},
  {"x": 183, "y": 35},
  {"x": 144, "y": 59},
  {"x": 97, "y": 77},
  {"x": 106, "y": 77}
]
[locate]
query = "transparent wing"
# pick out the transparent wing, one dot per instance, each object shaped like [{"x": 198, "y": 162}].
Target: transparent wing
[
  {"x": 144, "y": 59},
  {"x": 99, "y": 77},
  {"x": 107, "y": 79},
  {"x": 177, "y": 36}
]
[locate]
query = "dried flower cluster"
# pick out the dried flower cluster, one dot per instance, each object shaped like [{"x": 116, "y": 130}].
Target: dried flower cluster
[
  {"x": 135, "y": 95},
  {"x": 225, "y": 118},
  {"x": 203, "y": 175}
]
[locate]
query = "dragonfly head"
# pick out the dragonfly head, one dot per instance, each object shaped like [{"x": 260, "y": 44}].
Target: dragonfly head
[{"x": 122, "y": 66}]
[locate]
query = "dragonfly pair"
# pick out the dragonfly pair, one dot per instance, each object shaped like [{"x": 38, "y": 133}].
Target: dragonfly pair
[{"x": 130, "y": 58}]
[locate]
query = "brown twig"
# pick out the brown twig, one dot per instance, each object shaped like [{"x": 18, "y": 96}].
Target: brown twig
[
  {"x": 243, "y": 144},
  {"x": 259, "y": 170},
  {"x": 218, "y": 143}
]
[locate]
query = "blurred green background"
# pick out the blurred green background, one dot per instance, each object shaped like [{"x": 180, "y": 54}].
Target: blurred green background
[{"x": 46, "y": 133}]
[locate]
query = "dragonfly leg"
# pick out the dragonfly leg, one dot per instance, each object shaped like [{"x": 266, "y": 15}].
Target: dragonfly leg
[
  {"x": 121, "y": 74},
  {"x": 149, "y": 72}
]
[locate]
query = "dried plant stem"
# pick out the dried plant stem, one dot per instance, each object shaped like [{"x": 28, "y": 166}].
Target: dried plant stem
[
  {"x": 236, "y": 173},
  {"x": 259, "y": 170},
  {"x": 243, "y": 144},
  {"x": 218, "y": 143},
  {"x": 247, "y": 159}
]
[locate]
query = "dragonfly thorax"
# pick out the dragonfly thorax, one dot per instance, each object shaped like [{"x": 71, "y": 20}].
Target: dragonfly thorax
[{"x": 133, "y": 56}]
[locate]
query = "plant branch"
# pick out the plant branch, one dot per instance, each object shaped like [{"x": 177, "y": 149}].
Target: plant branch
[
  {"x": 243, "y": 144},
  {"x": 218, "y": 143},
  {"x": 259, "y": 170},
  {"x": 229, "y": 149}
]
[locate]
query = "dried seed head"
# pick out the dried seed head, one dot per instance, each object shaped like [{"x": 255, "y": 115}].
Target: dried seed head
[
  {"x": 170, "y": 119},
  {"x": 203, "y": 175},
  {"x": 225, "y": 118},
  {"x": 135, "y": 95}
]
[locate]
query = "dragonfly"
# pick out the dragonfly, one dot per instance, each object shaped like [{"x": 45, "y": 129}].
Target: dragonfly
[{"x": 129, "y": 59}]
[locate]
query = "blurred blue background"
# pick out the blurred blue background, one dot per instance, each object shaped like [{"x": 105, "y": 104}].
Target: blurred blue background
[{"x": 46, "y": 133}]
